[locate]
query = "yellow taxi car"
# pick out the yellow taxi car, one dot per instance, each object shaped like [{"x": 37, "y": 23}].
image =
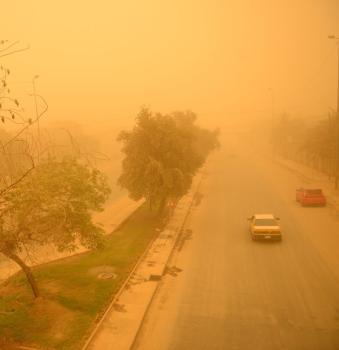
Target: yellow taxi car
[{"x": 265, "y": 227}]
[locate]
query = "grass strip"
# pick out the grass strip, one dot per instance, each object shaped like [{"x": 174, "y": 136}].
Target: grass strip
[{"x": 72, "y": 294}]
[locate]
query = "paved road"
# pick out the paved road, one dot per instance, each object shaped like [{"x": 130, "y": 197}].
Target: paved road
[{"x": 233, "y": 293}]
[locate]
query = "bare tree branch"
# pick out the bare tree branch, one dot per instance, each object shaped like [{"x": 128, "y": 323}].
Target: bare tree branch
[
  {"x": 2, "y": 192},
  {"x": 14, "y": 51}
]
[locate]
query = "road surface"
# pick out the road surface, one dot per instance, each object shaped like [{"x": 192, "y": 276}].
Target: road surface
[{"x": 226, "y": 291}]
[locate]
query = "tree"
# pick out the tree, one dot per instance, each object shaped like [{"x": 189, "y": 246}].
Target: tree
[
  {"x": 204, "y": 141},
  {"x": 44, "y": 199},
  {"x": 52, "y": 205},
  {"x": 20, "y": 150},
  {"x": 162, "y": 155}
]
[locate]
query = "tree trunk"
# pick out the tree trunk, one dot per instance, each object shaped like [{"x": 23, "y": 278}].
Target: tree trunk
[
  {"x": 162, "y": 205},
  {"x": 27, "y": 270}
]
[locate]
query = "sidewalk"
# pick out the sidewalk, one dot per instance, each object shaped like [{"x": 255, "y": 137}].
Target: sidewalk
[
  {"x": 110, "y": 219},
  {"x": 315, "y": 178},
  {"x": 119, "y": 326}
]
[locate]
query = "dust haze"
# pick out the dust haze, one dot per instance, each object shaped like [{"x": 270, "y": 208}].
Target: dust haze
[
  {"x": 141, "y": 143},
  {"x": 230, "y": 62},
  {"x": 218, "y": 58}
]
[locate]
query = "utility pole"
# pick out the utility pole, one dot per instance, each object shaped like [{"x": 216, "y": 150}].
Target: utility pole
[{"x": 337, "y": 121}]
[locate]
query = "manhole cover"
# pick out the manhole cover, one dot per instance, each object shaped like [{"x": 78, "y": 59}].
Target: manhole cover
[{"x": 106, "y": 275}]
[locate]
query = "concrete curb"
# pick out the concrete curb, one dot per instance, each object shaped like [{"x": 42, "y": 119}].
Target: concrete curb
[
  {"x": 282, "y": 162},
  {"x": 332, "y": 194},
  {"x": 167, "y": 261}
]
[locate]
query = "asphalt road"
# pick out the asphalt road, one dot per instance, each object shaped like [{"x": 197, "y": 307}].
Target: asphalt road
[{"x": 233, "y": 293}]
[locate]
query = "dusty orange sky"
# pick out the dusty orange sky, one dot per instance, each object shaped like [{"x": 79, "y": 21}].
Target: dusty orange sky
[{"x": 101, "y": 60}]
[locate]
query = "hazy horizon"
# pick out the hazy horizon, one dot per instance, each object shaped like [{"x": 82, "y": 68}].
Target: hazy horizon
[{"x": 103, "y": 61}]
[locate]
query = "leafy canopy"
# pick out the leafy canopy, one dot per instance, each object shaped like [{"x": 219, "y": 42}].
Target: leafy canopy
[
  {"x": 53, "y": 204},
  {"x": 162, "y": 154}
]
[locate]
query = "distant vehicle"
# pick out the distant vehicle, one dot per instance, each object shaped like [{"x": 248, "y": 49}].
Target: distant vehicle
[
  {"x": 310, "y": 197},
  {"x": 265, "y": 226}
]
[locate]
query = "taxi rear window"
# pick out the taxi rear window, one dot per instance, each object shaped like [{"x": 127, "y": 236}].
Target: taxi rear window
[
  {"x": 314, "y": 192},
  {"x": 265, "y": 222}
]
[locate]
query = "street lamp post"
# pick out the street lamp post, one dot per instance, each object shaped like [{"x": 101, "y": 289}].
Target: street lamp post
[
  {"x": 272, "y": 101},
  {"x": 333, "y": 37},
  {"x": 34, "y": 94},
  {"x": 36, "y": 108}
]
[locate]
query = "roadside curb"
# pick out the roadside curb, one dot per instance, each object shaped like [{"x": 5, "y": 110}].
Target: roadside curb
[
  {"x": 331, "y": 193},
  {"x": 282, "y": 162}
]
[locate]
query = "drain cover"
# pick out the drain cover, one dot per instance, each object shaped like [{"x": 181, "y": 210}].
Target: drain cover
[{"x": 106, "y": 275}]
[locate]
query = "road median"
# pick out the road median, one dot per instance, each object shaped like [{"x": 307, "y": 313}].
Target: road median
[{"x": 121, "y": 322}]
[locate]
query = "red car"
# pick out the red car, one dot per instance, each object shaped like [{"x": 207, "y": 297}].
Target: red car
[{"x": 310, "y": 197}]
